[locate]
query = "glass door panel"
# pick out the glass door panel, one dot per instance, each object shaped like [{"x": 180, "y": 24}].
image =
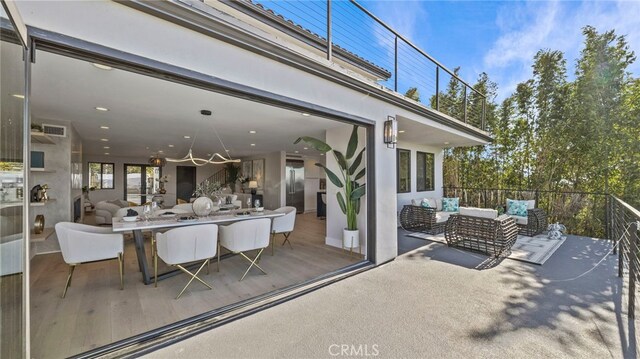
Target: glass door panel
[{"x": 141, "y": 182}]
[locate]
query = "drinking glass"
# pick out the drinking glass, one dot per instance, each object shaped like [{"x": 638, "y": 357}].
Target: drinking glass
[
  {"x": 146, "y": 212},
  {"x": 248, "y": 202},
  {"x": 256, "y": 204}
]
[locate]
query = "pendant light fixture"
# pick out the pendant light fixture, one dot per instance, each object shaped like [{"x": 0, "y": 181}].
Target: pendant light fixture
[{"x": 215, "y": 158}]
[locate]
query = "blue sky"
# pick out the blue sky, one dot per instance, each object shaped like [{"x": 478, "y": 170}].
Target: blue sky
[
  {"x": 497, "y": 37},
  {"x": 501, "y": 37}
]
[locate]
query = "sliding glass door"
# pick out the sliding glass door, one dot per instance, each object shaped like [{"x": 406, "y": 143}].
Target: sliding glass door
[{"x": 141, "y": 181}]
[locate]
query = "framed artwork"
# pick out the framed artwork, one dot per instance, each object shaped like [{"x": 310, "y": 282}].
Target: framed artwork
[
  {"x": 258, "y": 172},
  {"x": 247, "y": 169}
]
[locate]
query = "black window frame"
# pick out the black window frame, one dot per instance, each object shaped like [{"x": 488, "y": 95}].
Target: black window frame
[
  {"x": 102, "y": 164},
  {"x": 426, "y": 171},
  {"x": 398, "y": 152}
]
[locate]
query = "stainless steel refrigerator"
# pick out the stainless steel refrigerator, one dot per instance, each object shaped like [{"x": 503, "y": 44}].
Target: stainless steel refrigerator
[{"x": 295, "y": 184}]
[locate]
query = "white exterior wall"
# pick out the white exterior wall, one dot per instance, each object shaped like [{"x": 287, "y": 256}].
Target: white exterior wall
[
  {"x": 120, "y": 27},
  {"x": 405, "y": 198}
]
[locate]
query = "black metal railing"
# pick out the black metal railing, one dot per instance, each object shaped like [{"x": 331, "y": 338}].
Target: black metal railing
[
  {"x": 593, "y": 214},
  {"x": 624, "y": 226},
  {"x": 347, "y": 31}
]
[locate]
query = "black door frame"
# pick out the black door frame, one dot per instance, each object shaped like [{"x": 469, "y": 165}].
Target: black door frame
[
  {"x": 143, "y": 180},
  {"x": 79, "y": 49},
  {"x": 195, "y": 179}
]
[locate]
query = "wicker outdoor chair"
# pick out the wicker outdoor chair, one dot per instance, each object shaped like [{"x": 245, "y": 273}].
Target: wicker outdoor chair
[
  {"x": 536, "y": 223},
  {"x": 493, "y": 236},
  {"x": 420, "y": 219}
]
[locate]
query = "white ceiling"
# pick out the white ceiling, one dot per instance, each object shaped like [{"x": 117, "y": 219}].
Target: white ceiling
[{"x": 147, "y": 114}]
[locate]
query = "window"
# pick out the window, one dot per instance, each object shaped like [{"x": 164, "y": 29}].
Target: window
[
  {"x": 101, "y": 175},
  {"x": 404, "y": 170},
  {"x": 424, "y": 172}
]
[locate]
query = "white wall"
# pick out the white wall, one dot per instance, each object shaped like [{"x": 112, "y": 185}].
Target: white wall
[
  {"x": 405, "y": 198},
  {"x": 338, "y": 138},
  {"x": 274, "y": 178},
  {"x": 120, "y": 27},
  {"x": 312, "y": 176}
]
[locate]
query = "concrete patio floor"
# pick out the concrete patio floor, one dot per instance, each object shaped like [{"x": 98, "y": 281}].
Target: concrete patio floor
[{"x": 439, "y": 302}]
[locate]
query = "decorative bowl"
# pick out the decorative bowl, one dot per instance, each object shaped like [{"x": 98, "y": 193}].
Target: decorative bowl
[
  {"x": 202, "y": 206},
  {"x": 259, "y": 209},
  {"x": 130, "y": 218}
]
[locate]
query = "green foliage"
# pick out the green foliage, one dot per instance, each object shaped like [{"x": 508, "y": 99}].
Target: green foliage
[
  {"x": 413, "y": 94},
  {"x": 559, "y": 135},
  {"x": 352, "y": 191}
]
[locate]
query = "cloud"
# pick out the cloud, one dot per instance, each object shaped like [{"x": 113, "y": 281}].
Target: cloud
[{"x": 525, "y": 28}]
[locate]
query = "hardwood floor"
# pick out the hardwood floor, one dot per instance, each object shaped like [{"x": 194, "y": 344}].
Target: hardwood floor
[{"x": 96, "y": 312}]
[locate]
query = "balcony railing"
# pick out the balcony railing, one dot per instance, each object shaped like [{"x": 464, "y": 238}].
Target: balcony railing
[
  {"x": 346, "y": 30},
  {"x": 592, "y": 214}
]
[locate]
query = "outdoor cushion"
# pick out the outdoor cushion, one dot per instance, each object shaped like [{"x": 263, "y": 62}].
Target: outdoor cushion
[
  {"x": 433, "y": 202},
  {"x": 517, "y": 208},
  {"x": 531, "y": 204},
  {"x": 442, "y": 217},
  {"x": 521, "y": 220},
  {"x": 479, "y": 212},
  {"x": 428, "y": 203},
  {"x": 450, "y": 204}
]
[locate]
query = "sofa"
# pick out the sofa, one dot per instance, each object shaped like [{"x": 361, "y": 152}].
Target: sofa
[
  {"x": 481, "y": 230},
  {"x": 106, "y": 210},
  {"x": 431, "y": 220},
  {"x": 530, "y": 223}
]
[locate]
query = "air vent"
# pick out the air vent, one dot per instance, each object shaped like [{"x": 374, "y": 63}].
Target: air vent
[
  {"x": 54, "y": 130},
  {"x": 289, "y": 155}
]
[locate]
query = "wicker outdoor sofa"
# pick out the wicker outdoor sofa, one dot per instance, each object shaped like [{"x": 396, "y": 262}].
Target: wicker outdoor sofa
[
  {"x": 423, "y": 219},
  {"x": 481, "y": 230}
]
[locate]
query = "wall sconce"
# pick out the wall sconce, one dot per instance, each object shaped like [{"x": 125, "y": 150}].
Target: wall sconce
[{"x": 391, "y": 132}]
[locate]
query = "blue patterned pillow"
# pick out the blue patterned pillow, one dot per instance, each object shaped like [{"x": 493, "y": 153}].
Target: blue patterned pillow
[
  {"x": 517, "y": 208},
  {"x": 450, "y": 204}
]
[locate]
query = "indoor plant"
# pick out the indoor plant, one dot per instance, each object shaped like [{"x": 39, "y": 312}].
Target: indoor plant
[
  {"x": 233, "y": 174},
  {"x": 351, "y": 191}
]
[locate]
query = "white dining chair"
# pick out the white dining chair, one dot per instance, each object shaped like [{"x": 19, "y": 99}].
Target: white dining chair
[
  {"x": 245, "y": 236},
  {"x": 81, "y": 243},
  {"x": 185, "y": 245},
  {"x": 283, "y": 225}
]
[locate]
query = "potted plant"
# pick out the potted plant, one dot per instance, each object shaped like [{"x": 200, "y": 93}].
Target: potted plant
[
  {"x": 161, "y": 183},
  {"x": 351, "y": 191}
]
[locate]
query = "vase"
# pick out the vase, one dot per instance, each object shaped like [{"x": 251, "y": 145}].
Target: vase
[
  {"x": 38, "y": 226},
  {"x": 202, "y": 206},
  {"x": 350, "y": 238}
]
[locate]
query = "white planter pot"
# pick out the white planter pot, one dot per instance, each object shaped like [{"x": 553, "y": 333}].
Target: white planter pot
[{"x": 350, "y": 239}]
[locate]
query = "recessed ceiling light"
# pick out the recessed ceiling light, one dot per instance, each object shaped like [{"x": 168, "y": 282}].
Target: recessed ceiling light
[
  {"x": 297, "y": 151},
  {"x": 107, "y": 153},
  {"x": 401, "y": 131},
  {"x": 224, "y": 150},
  {"x": 446, "y": 143},
  {"x": 103, "y": 67},
  {"x": 104, "y": 127},
  {"x": 17, "y": 95},
  {"x": 252, "y": 131},
  {"x": 253, "y": 145},
  {"x": 305, "y": 114},
  {"x": 322, "y": 154},
  {"x": 208, "y": 154},
  {"x": 306, "y": 148},
  {"x": 104, "y": 139},
  {"x": 106, "y": 147},
  {"x": 102, "y": 109},
  {"x": 187, "y": 137},
  {"x": 171, "y": 146},
  {"x": 160, "y": 151}
]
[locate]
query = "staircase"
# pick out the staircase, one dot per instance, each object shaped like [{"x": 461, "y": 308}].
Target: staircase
[{"x": 220, "y": 177}]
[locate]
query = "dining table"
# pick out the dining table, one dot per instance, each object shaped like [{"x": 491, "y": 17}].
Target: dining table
[{"x": 165, "y": 222}]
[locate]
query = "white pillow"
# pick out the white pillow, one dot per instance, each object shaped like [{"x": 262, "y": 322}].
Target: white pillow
[{"x": 479, "y": 212}]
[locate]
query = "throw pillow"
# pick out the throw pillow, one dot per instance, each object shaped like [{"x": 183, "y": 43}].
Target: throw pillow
[
  {"x": 450, "y": 204},
  {"x": 117, "y": 202},
  {"x": 517, "y": 208},
  {"x": 425, "y": 203}
]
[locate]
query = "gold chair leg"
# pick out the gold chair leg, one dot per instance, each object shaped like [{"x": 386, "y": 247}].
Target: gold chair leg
[
  {"x": 121, "y": 268},
  {"x": 273, "y": 241},
  {"x": 219, "y": 256},
  {"x": 68, "y": 284},
  {"x": 253, "y": 263},
  {"x": 193, "y": 276},
  {"x": 155, "y": 267},
  {"x": 286, "y": 239}
]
